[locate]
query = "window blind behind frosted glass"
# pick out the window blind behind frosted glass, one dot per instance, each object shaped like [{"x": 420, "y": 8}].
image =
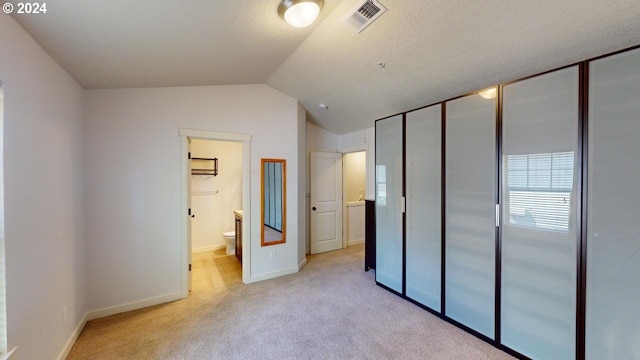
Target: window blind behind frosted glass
[
  {"x": 539, "y": 217},
  {"x": 613, "y": 211}
]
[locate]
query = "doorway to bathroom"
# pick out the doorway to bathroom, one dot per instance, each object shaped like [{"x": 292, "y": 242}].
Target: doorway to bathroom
[
  {"x": 215, "y": 191},
  {"x": 354, "y": 175},
  {"x": 216, "y": 203}
]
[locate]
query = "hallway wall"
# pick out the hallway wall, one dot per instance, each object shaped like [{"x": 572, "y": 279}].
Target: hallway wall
[
  {"x": 43, "y": 203},
  {"x": 133, "y": 157}
]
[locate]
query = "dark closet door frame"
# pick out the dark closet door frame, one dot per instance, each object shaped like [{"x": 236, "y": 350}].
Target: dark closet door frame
[
  {"x": 580, "y": 198},
  {"x": 404, "y": 156},
  {"x": 581, "y": 281},
  {"x": 581, "y": 208},
  {"x": 583, "y": 146},
  {"x": 498, "y": 201},
  {"x": 404, "y": 204},
  {"x": 443, "y": 208}
]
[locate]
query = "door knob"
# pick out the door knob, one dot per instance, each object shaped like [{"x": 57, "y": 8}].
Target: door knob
[
  {"x": 193, "y": 215},
  {"x": 313, "y": 208}
]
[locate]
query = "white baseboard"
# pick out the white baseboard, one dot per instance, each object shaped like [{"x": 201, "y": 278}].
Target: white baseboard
[
  {"x": 112, "y": 310},
  {"x": 274, "y": 274},
  {"x": 354, "y": 242},
  {"x": 72, "y": 339},
  {"x": 302, "y": 264},
  {"x": 208, "y": 248},
  {"x": 134, "y": 305},
  {"x": 5, "y": 356}
]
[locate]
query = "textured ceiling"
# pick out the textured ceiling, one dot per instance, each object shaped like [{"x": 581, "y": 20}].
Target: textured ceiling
[
  {"x": 438, "y": 49},
  {"x": 433, "y": 50},
  {"x": 152, "y": 43}
]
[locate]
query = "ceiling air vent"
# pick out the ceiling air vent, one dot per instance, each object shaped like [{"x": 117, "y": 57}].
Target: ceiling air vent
[{"x": 364, "y": 14}]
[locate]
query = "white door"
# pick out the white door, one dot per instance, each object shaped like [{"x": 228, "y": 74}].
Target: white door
[
  {"x": 190, "y": 213},
  {"x": 326, "y": 201}
]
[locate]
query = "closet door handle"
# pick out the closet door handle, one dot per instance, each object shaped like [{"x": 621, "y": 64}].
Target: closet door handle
[
  {"x": 193, "y": 215},
  {"x": 313, "y": 208}
]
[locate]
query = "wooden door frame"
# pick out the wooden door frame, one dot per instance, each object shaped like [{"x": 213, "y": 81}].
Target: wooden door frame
[{"x": 185, "y": 135}]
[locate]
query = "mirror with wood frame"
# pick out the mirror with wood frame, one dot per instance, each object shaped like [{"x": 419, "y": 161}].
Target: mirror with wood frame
[{"x": 273, "y": 199}]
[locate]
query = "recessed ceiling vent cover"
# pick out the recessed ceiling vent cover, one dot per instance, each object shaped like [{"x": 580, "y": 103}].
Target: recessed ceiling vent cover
[{"x": 364, "y": 14}]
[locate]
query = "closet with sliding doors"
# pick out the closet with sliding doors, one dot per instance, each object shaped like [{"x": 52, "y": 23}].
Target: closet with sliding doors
[{"x": 513, "y": 212}]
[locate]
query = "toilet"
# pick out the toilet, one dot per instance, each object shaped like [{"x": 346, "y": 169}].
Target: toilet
[{"x": 230, "y": 240}]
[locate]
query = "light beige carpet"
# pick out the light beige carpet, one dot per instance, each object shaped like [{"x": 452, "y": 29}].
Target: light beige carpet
[{"x": 330, "y": 310}]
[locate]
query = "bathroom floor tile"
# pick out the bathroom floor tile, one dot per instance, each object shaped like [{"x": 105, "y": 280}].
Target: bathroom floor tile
[
  {"x": 227, "y": 278},
  {"x": 231, "y": 267},
  {"x": 202, "y": 285},
  {"x": 229, "y": 259},
  {"x": 215, "y": 271},
  {"x": 219, "y": 253}
]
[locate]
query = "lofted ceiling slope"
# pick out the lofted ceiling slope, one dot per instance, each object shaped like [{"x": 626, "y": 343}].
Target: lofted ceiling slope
[
  {"x": 433, "y": 50},
  {"x": 155, "y": 43}
]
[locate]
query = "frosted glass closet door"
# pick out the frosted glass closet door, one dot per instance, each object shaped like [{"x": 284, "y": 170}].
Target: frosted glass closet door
[
  {"x": 613, "y": 240},
  {"x": 423, "y": 193},
  {"x": 389, "y": 202},
  {"x": 539, "y": 232},
  {"x": 470, "y": 226}
]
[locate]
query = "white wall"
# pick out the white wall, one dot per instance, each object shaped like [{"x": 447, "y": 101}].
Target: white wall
[
  {"x": 43, "y": 149},
  {"x": 354, "y": 175},
  {"x": 133, "y": 173},
  {"x": 213, "y": 198},
  {"x": 362, "y": 140},
  {"x": 319, "y": 139},
  {"x": 3, "y": 298},
  {"x": 355, "y": 222}
]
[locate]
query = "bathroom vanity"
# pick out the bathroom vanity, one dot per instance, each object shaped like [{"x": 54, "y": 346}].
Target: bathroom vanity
[{"x": 238, "y": 222}]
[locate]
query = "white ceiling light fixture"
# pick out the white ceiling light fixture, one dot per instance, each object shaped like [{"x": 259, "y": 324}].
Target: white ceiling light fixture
[
  {"x": 300, "y": 13},
  {"x": 488, "y": 94}
]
